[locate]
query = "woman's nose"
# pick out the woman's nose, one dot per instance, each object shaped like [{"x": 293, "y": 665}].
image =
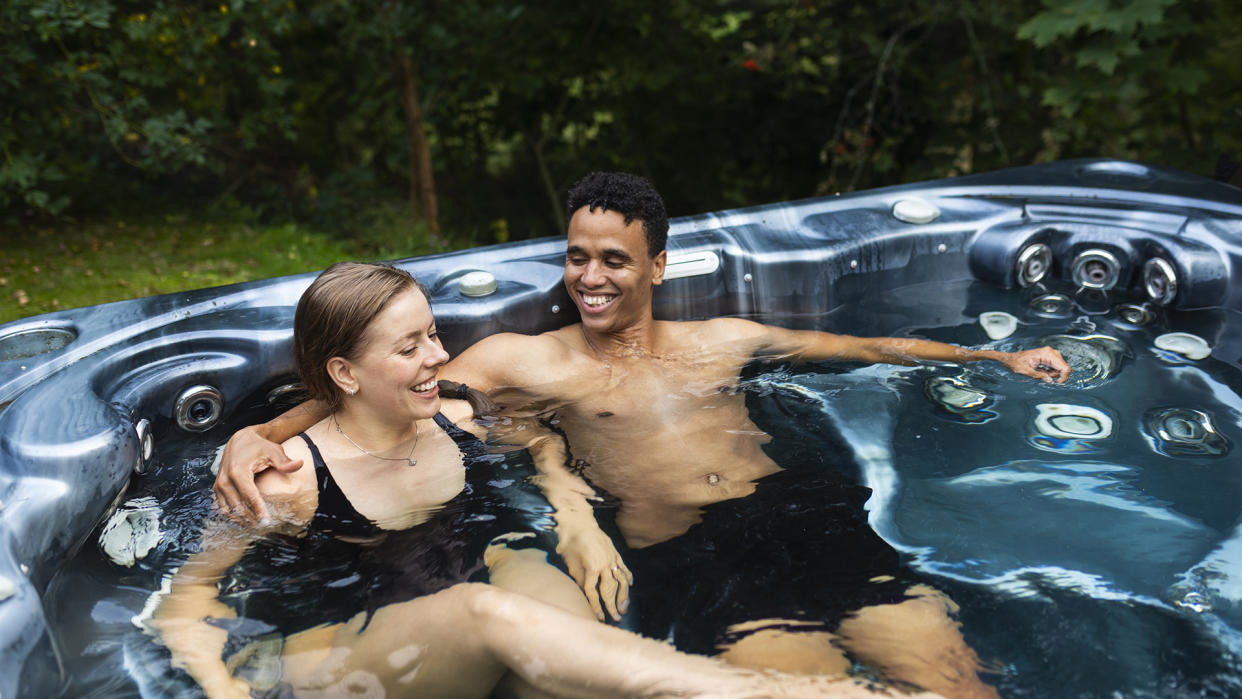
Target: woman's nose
[{"x": 439, "y": 357}]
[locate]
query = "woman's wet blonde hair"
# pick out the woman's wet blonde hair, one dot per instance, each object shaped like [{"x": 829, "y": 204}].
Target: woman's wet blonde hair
[{"x": 332, "y": 320}]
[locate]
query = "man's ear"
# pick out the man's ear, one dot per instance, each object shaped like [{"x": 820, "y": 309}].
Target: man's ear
[
  {"x": 342, "y": 374},
  {"x": 659, "y": 261}
]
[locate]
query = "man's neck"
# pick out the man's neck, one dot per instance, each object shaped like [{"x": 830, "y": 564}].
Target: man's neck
[{"x": 638, "y": 339}]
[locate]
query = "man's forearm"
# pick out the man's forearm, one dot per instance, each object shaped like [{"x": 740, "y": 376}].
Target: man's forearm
[
  {"x": 909, "y": 351},
  {"x": 1043, "y": 363},
  {"x": 288, "y": 424}
]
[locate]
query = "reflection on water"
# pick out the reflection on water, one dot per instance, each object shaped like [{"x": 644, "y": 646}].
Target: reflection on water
[
  {"x": 1183, "y": 432},
  {"x": 132, "y": 531},
  {"x": 959, "y": 399},
  {"x": 1052, "y": 305},
  {"x": 1069, "y": 429},
  {"x": 1093, "y": 358},
  {"x": 1185, "y": 344},
  {"x": 1089, "y": 559},
  {"x": 998, "y": 324}
]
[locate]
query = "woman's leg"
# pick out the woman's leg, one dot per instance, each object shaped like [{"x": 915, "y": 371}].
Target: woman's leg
[
  {"x": 917, "y": 641},
  {"x": 459, "y": 642},
  {"x": 527, "y": 572}
]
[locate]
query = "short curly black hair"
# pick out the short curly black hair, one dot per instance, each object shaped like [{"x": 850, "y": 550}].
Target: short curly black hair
[{"x": 632, "y": 196}]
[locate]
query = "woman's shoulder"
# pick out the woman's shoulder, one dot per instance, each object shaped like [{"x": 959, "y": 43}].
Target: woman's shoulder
[{"x": 291, "y": 491}]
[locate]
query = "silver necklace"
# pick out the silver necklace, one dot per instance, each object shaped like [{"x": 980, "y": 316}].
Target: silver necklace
[{"x": 406, "y": 458}]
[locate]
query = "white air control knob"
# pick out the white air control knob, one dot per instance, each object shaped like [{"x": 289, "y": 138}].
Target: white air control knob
[{"x": 477, "y": 283}]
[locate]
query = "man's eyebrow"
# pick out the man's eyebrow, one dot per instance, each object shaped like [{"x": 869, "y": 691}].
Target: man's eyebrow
[{"x": 608, "y": 252}]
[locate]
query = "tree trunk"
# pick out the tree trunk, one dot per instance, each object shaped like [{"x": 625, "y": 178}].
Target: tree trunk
[{"x": 422, "y": 181}]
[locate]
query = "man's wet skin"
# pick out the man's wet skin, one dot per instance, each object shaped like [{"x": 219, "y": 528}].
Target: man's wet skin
[
  {"x": 650, "y": 412},
  {"x": 664, "y": 431},
  {"x": 649, "y": 408},
  {"x": 652, "y": 416}
]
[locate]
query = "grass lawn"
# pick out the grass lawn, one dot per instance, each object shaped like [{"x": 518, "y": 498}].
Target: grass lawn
[{"x": 84, "y": 264}]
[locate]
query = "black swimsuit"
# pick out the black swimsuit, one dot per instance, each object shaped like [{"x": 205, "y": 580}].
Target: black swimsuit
[
  {"x": 291, "y": 583},
  {"x": 335, "y": 513}
]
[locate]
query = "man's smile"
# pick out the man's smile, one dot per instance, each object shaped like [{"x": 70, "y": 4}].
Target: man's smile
[{"x": 596, "y": 302}]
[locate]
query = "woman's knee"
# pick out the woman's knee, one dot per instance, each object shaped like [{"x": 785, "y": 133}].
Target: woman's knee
[{"x": 487, "y": 604}]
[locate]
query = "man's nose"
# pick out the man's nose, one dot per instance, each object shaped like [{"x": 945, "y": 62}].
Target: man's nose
[{"x": 593, "y": 275}]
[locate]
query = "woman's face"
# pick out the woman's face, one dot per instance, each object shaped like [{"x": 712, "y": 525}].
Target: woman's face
[{"x": 396, "y": 372}]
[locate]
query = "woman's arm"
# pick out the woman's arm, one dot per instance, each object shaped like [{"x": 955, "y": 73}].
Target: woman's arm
[
  {"x": 182, "y": 617},
  {"x": 253, "y": 449},
  {"x": 589, "y": 554}
]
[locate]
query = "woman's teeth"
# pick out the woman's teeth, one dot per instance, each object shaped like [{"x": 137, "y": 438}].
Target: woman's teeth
[{"x": 424, "y": 387}]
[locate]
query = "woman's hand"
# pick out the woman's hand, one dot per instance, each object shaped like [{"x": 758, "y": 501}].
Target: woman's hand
[
  {"x": 226, "y": 686},
  {"x": 1043, "y": 363},
  {"x": 596, "y": 566}
]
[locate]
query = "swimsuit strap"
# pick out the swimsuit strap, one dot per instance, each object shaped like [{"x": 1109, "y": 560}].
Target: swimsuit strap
[
  {"x": 335, "y": 513},
  {"x": 470, "y": 446}
]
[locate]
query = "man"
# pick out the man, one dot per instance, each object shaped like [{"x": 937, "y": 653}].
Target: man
[{"x": 652, "y": 418}]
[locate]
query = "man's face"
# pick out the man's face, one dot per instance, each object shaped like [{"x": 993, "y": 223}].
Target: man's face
[{"x": 607, "y": 270}]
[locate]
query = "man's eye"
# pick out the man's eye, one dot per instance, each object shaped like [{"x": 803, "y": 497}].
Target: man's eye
[
  {"x": 408, "y": 351},
  {"x": 615, "y": 264},
  {"x": 577, "y": 260}
]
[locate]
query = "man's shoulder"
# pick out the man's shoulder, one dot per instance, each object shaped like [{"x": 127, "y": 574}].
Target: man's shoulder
[
  {"x": 512, "y": 360},
  {"x": 551, "y": 342},
  {"x": 719, "y": 329}
]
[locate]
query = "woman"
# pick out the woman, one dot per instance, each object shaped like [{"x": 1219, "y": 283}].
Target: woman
[{"x": 389, "y": 483}]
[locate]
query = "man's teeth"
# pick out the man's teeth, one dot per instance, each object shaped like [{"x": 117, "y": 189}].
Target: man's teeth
[
  {"x": 423, "y": 387},
  {"x": 596, "y": 300}
]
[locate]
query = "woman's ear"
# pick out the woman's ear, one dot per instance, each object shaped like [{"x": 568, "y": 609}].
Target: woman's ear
[{"x": 342, "y": 374}]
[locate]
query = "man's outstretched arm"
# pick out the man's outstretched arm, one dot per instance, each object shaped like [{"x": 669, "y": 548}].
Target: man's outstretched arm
[
  {"x": 257, "y": 448},
  {"x": 1043, "y": 363}
]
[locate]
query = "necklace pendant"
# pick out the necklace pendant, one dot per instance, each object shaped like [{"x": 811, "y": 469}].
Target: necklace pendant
[{"x": 413, "y": 462}]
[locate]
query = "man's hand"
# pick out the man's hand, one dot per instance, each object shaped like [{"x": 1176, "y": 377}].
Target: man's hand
[
  {"x": 1043, "y": 363},
  {"x": 597, "y": 568},
  {"x": 246, "y": 454}
]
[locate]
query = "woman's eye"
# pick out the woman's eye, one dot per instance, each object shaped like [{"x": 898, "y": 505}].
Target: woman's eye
[{"x": 408, "y": 351}]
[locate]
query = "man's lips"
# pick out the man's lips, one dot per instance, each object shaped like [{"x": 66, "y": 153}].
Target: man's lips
[{"x": 595, "y": 302}]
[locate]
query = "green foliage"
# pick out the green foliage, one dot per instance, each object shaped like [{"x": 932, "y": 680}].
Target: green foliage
[{"x": 293, "y": 108}]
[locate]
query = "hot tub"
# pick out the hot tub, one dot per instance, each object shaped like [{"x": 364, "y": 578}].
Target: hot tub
[{"x": 1113, "y": 254}]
